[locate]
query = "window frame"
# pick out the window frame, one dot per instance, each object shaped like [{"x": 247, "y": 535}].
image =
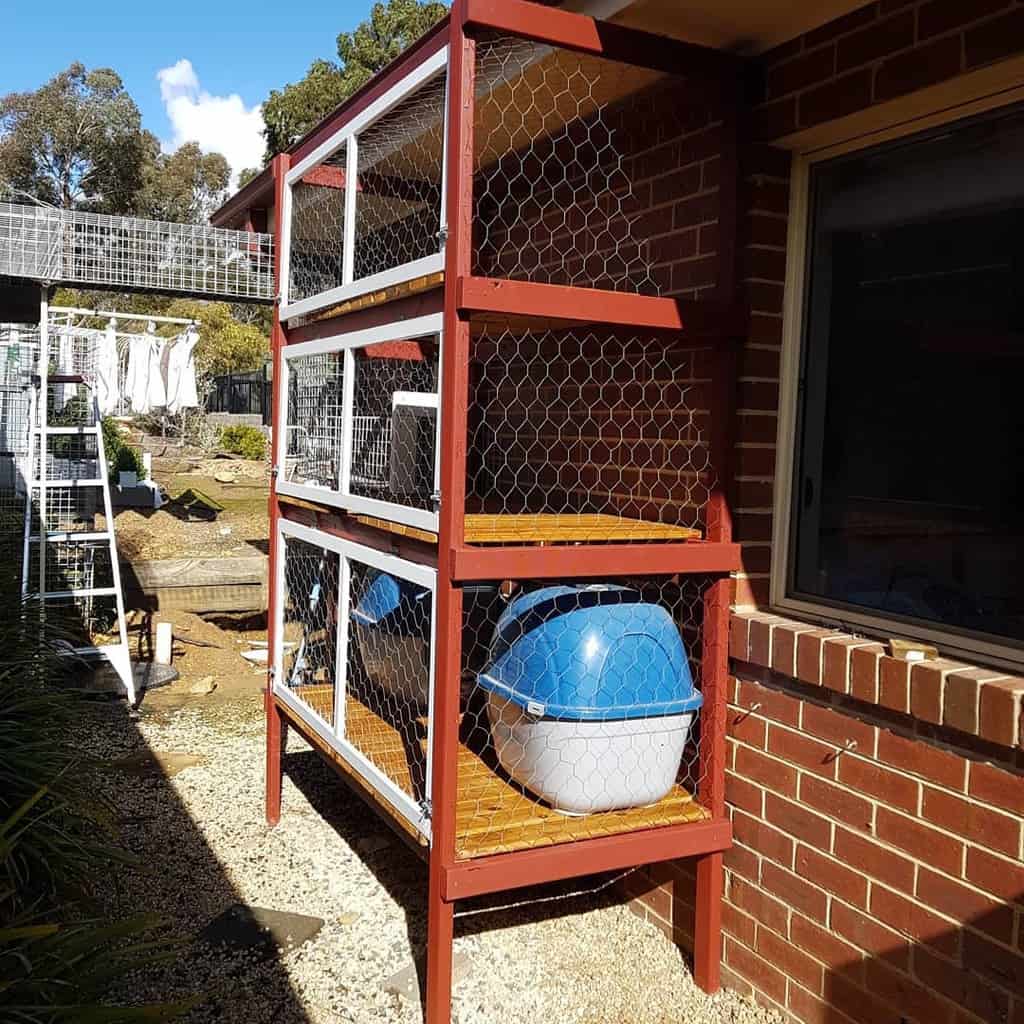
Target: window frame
[{"x": 783, "y": 596}]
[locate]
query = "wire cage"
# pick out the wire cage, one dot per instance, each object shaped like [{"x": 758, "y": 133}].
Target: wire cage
[
  {"x": 69, "y": 510},
  {"x": 83, "y": 622},
  {"x": 362, "y": 421},
  {"x": 355, "y": 659},
  {"x": 588, "y": 427},
  {"x": 70, "y": 458},
  {"x": 343, "y": 241},
  {"x": 74, "y": 565}
]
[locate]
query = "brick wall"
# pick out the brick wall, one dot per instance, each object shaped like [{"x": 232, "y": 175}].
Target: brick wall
[{"x": 877, "y": 870}]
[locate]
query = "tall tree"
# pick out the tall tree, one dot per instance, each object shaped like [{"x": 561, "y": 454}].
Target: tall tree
[
  {"x": 76, "y": 142},
  {"x": 184, "y": 186},
  {"x": 290, "y": 112}
]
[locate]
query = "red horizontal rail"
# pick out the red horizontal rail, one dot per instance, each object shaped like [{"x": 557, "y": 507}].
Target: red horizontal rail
[
  {"x": 594, "y": 305},
  {"x": 408, "y": 307},
  {"x": 590, "y": 561},
  {"x": 588, "y": 35},
  {"x": 503, "y": 871}
]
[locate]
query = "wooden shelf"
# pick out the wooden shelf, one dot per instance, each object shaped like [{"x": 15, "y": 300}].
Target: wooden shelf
[{"x": 493, "y": 814}]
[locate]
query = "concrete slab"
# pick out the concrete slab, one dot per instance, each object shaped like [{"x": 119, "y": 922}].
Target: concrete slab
[
  {"x": 260, "y": 930},
  {"x": 406, "y": 982}
]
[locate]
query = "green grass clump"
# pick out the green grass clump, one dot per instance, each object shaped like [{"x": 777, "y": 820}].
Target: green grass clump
[{"x": 249, "y": 442}]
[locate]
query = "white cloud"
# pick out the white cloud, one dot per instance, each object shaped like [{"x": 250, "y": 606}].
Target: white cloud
[{"x": 222, "y": 124}]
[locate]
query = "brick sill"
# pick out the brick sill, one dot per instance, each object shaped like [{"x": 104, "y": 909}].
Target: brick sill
[{"x": 984, "y": 703}]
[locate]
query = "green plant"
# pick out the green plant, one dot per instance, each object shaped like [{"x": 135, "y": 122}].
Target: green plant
[
  {"x": 121, "y": 456},
  {"x": 248, "y": 442}
]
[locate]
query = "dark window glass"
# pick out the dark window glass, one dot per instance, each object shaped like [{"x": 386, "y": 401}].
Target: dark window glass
[{"x": 909, "y": 490}]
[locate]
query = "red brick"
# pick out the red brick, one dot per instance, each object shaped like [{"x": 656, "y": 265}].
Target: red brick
[
  {"x": 962, "y": 986},
  {"x": 765, "y": 229},
  {"x": 960, "y": 901},
  {"x": 918, "y": 757},
  {"x": 839, "y": 26},
  {"x": 999, "y": 711},
  {"x": 860, "y": 1004},
  {"x": 838, "y": 728},
  {"x": 778, "y": 706},
  {"x": 765, "y": 297},
  {"x": 963, "y": 689},
  {"x": 798, "y": 821},
  {"x": 994, "y": 40},
  {"x": 747, "y": 727},
  {"x": 762, "y": 837},
  {"x": 875, "y": 860},
  {"x": 794, "y": 962},
  {"x": 998, "y": 787},
  {"x": 743, "y": 794},
  {"x": 802, "y": 71},
  {"x": 802, "y": 750},
  {"x": 739, "y": 637},
  {"x": 794, "y": 891},
  {"x": 824, "y": 946},
  {"x": 835, "y": 663},
  {"x": 875, "y": 41},
  {"x": 868, "y": 934},
  {"x": 761, "y": 974},
  {"x": 809, "y": 653},
  {"x": 784, "y": 649},
  {"x": 809, "y": 1009},
  {"x": 766, "y": 771},
  {"x": 831, "y": 876},
  {"x": 940, "y": 16},
  {"x": 835, "y": 802},
  {"x": 870, "y": 778},
  {"x": 908, "y": 918},
  {"x": 743, "y": 862},
  {"x": 1002, "y": 966},
  {"x": 918, "y": 68},
  {"x": 900, "y": 991},
  {"x": 760, "y": 643},
  {"x": 920, "y": 841},
  {"x": 759, "y": 905},
  {"x": 864, "y": 672},
  {"x": 984, "y": 826},
  {"x": 894, "y": 683},
  {"x": 773, "y": 120},
  {"x": 1002, "y": 878},
  {"x": 738, "y": 925},
  {"x": 927, "y": 681}
]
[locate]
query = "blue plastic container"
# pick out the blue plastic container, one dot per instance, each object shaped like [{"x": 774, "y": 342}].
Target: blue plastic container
[{"x": 590, "y": 697}]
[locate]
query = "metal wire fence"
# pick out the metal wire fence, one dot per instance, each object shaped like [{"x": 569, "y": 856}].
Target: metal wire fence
[{"x": 313, "y": 420}]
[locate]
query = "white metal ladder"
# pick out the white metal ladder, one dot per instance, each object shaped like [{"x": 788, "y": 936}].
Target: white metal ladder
[{"x": 45, "y": 474}]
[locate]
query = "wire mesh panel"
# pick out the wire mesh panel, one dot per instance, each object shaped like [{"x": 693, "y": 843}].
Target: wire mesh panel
[
  {"x": 313, "y": 420},
  {"x": 69, "y": 457},
  {"x": 584, "y": 173},
  {"x": 317, "y": 247},
  {"x": 388, "y": 673},
  {"x": 309, "y": 632},
  {"x": 83, "y": 621},
  {"x": 581, "y": 705},
  {"x": 588, "y": 422},
  {"x": 126, "y": 253},
  {"x": 70, "y": 510},
  {"x": 394, "y": 424},
  {"x": 73, "y": 565},
  {"x": 70, "y": 405},
  {"x": 398, "y": 205}
]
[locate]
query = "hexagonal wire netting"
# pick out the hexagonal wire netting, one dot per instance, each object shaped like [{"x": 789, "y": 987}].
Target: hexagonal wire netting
[{"x": 312, "y": 422}]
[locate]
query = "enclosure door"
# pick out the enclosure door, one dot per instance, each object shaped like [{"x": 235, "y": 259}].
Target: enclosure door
[{"x": 354, "y": 659}]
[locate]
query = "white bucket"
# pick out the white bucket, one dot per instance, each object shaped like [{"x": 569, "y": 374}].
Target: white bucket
[{"x": 589, "y": 766}]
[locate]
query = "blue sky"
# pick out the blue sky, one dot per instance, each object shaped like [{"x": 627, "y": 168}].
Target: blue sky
[{"x": 236, "y": 53}]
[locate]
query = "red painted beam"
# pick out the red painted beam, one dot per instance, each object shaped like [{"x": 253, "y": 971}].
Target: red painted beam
[
  {"x": 588, "y": 35},
  {"x": 590, "y": 561},
  {"x": 408, "y": 308},
  {"x": 594, "y": 305},
  {"x": 521, "y": 868}
]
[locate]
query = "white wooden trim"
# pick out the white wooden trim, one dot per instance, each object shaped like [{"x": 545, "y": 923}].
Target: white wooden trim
[
  {"x": 793, "y": 336},
  {"x": 348, "y": 384},
  {"x": 418, "y": 517},
  {"x": 284, "y": 254},
  {"x": 412, "y": 81},
  {"x": 422, "y": 267},
  {"x": 399, "y": 330},
  {"x": 349, "y": 231}
]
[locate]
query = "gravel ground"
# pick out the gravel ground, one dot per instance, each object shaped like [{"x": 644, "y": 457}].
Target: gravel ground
[{"x": 202, "y": 839}]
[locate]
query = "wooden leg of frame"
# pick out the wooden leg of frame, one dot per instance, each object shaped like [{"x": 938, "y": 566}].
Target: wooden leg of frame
[
  {"x": 440, "y": 935},
  {"x": 277, "y": 729},
  {"x": 707, "y": 939}
]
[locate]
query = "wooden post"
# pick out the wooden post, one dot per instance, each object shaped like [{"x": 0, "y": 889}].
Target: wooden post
[{"x": 277, "y": 733}]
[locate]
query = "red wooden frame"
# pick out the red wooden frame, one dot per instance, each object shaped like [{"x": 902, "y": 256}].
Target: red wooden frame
[{"x": 462, "y": 298}]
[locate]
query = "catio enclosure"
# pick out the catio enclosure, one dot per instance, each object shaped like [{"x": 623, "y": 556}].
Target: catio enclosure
[{"x": 501, "y": 539}]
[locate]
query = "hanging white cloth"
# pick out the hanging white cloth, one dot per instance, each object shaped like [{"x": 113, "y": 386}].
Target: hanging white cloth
[
  {"x": 157, "y": 393},
  {"x": 145, "y": 385},
  {"x": 107, "y": 392},
  {"x": 181, "y": 372}
]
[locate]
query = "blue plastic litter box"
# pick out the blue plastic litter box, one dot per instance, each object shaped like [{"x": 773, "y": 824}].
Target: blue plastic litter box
[{"x": 590, "y": 697}]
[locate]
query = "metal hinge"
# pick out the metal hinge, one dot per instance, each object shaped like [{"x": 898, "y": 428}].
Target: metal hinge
[
  {"x": 442, "y": 236},
  {"x": 426, "y": 808}
]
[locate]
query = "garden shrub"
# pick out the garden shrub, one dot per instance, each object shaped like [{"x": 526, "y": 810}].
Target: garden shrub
[{"x": 249, "y": 442}]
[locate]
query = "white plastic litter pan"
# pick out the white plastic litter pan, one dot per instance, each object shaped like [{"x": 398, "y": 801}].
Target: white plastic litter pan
[{"x": 590, "y": 697}]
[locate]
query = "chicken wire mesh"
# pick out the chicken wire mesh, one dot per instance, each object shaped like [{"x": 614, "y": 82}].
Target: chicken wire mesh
[
  {"x": 557, "y": 190},
  {"x": 312, "y": 449},
  {"x": 316, "y": 249},
  {"x": 394, "y": 424},
  {"x": 580, "y": 421},
  {"x": 398, "y": 205},
  {"x": 129, "y": 253},
  {"x": 388, "y": 672},
  {"x": 581, "y": 707},
  {"x": 309, "y": 620}
]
